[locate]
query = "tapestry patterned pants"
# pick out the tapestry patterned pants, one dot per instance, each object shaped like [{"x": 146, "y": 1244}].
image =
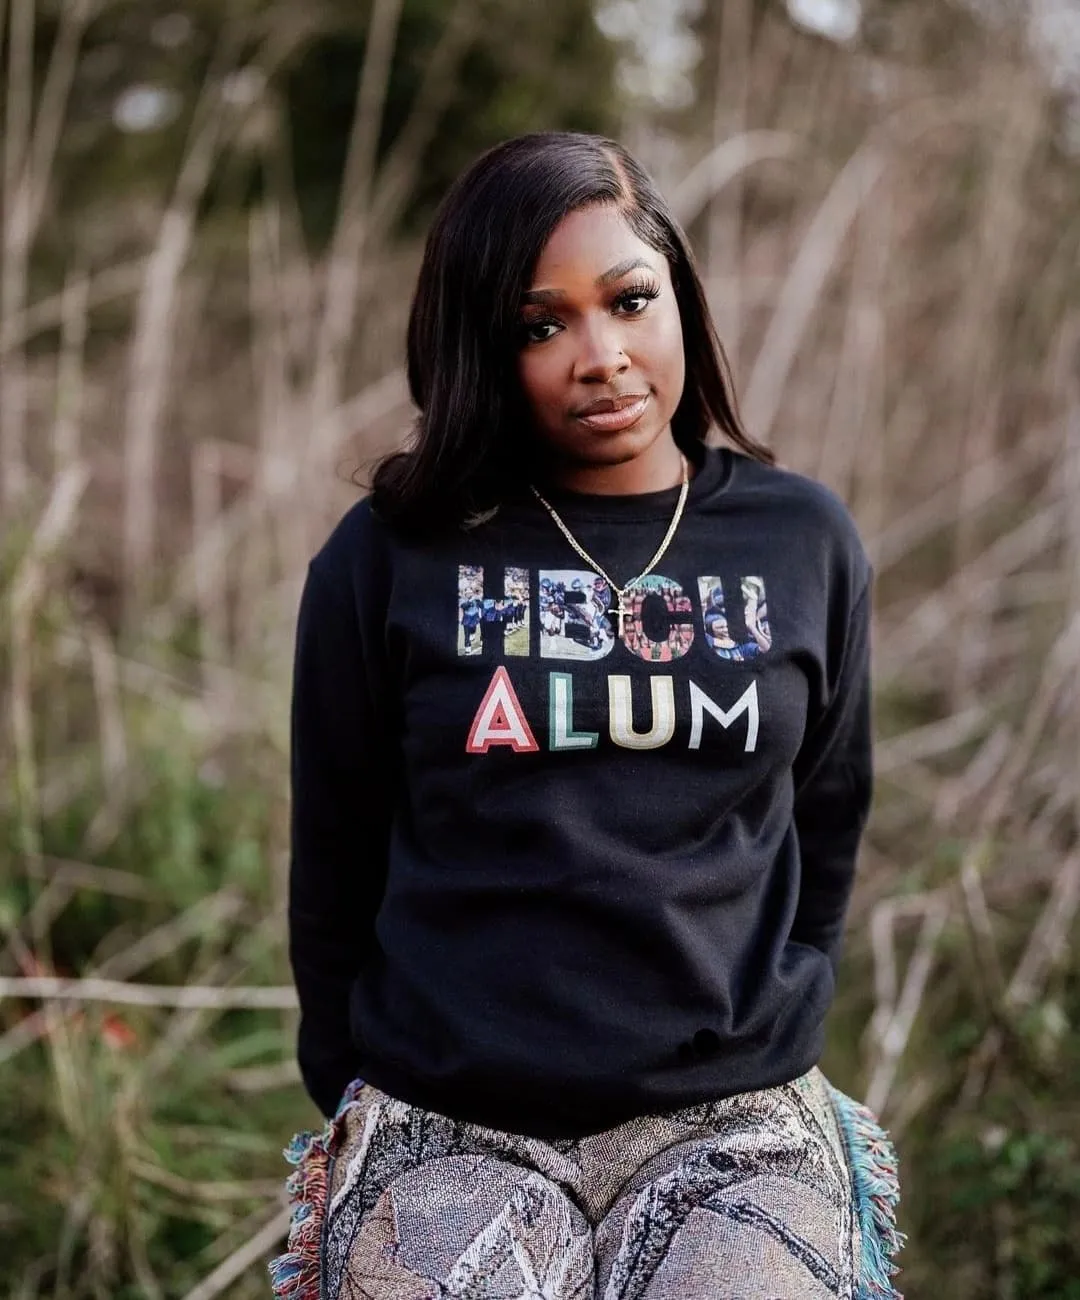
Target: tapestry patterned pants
[{"x": 784, "y": 1194}]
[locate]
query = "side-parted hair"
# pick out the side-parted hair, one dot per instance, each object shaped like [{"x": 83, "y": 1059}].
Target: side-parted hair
[{"x": 471, "y": 446}]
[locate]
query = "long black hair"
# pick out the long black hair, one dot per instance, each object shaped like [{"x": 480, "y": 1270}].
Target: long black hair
[{"x": 470, "y": 447}]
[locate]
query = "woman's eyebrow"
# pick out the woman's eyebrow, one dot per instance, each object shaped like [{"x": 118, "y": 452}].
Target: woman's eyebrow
[
  {"x": 617, "y": 272},
  {"x": 533, "y": 296}
]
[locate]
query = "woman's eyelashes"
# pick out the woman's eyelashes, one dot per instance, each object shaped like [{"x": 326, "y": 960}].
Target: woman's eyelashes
[
  {"x": 632, "y": 301},
  {"x": 530, "y": 330},
  {"x": 643, "y": 293}
]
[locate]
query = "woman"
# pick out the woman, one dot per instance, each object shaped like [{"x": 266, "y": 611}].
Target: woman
[{"x": 564, "y": 933}]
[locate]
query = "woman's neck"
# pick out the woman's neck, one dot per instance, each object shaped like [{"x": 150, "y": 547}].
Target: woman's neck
[{"x": 658, "y": 467}]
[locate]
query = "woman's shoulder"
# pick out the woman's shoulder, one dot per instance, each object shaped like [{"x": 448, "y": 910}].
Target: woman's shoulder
[
  {"x": 791, "y": 489},
  {"x": 355, "y": 552},
  {"x": 355, "y": 534},
  {"x": 806, "y": 510}
]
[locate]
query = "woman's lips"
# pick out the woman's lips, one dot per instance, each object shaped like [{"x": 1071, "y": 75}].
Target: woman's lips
[{"x": 616, "y": 421}]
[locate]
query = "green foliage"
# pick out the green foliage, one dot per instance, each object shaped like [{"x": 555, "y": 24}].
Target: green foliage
[
  {"x": 531, "y": 67},
  {"x": 990, "y": 1181},
  {"x": 526, "y": 67},
  {"x": 138, "y": 1106},
  {"x": 1022, "y": 1189}
]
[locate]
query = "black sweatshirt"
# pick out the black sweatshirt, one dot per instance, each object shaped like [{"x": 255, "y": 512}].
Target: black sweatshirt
[{"x": 546, "y": 877}]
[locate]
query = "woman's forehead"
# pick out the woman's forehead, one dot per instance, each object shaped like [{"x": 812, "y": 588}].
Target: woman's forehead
[{"x": 590, "y": 245}]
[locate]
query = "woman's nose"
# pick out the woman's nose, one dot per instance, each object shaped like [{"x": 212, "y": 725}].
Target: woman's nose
[{"x": 600, "y": 354}]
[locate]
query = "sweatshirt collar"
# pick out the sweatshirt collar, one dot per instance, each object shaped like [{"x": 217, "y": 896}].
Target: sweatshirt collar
[{"x": 713, "y": 471}]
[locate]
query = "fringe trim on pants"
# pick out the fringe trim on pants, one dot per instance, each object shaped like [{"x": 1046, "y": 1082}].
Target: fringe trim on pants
[
  {"x": 876, "y": 1187},
  {"x": 297, "y": 1274}
]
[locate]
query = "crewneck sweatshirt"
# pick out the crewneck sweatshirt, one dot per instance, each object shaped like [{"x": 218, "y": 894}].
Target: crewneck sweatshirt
[{"x": 552, "y": 869}]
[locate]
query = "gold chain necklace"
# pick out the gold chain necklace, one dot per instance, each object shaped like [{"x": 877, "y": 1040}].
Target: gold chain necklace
[{"x": 622, "y": 612}]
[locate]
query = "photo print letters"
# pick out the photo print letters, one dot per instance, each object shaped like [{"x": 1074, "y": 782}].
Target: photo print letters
[{"x": 578, "y": 621}]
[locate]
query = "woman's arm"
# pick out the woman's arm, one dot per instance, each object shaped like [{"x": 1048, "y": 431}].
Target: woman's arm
[
  {"x": 833, "y": 786},
  {"x": 342, "y": 777}
]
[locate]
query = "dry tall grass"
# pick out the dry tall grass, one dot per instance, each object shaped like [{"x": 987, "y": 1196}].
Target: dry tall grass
[{"x": 892, "y": 255}]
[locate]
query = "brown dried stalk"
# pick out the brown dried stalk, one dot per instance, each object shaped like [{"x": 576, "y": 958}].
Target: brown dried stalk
[
  {"x": 343, "y": 264},
  {"x": 186, "y": 997},
  {"x": 242, "y": 1259}
]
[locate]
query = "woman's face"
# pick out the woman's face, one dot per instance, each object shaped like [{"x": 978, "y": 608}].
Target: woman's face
[{"x": 600, "y": 357}]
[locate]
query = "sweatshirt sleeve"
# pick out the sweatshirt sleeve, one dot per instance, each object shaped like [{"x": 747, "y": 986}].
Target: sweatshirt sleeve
[
  {"x": 833, "y": 788},
  {"x": 342, "y": 801}
]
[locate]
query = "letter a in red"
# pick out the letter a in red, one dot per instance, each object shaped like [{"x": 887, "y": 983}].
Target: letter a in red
[{"x": 500, "y": 719}]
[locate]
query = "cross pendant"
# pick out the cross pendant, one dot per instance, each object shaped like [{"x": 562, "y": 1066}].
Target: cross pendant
[{"x": 621, "y": 613}]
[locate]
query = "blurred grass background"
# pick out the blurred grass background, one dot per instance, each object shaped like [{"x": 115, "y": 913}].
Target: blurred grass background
[{"x": 212, "y": 214}]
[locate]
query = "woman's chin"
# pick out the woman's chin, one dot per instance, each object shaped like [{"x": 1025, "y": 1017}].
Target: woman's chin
[{"x": 593, "y": 448}]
